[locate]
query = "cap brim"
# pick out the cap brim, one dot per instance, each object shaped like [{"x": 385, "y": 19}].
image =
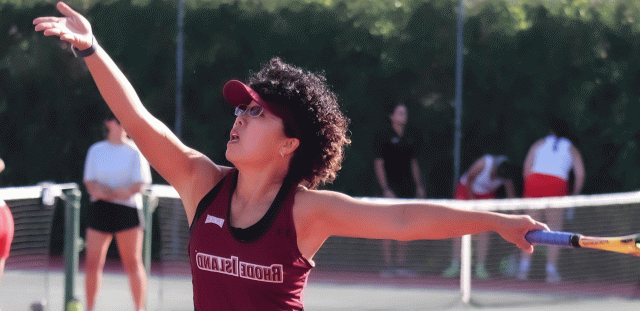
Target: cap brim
[{"x": 238, "y": 93}]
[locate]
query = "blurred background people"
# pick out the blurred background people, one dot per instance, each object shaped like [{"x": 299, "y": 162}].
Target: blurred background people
[
  {"x": 546, "y": 174},
  {"x": 396, "y": 148},
  {"x": 482, "y": 181},
  {"x": 6, "y": 230},
  {"x": 115, "y": 175}
]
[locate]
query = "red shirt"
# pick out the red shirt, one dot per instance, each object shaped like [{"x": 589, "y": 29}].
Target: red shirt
[{"x": 266, "y": 273}]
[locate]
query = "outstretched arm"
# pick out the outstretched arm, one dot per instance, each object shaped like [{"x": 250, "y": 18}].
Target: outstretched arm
[
  {"x": 177, "y": 163},
  {"x": 321, "y": 214}
]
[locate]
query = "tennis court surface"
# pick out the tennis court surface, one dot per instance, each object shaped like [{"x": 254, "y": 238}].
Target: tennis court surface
[{"x": 328, "y": 290}]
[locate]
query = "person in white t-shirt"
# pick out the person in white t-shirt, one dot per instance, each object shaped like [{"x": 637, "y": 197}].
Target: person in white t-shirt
[
  {"x": 481, "y": 181},
  {"x": 546, "y": 174},
  {"x": 115, "y": 174}
]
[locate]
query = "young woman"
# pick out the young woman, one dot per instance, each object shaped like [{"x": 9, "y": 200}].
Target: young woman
[
  {"x": 396, "y": 148},
  {"x": 546, "y": 171},
  {"x": 115, "y": 174},
  {"x": 256, "y": 226},
  {"x": 481, "y": 182}
]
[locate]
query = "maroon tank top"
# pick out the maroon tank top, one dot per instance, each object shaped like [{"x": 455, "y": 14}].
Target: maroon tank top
[{"x": 258, "y": 268}]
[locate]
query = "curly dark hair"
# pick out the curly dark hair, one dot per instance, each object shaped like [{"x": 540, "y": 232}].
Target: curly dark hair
[{"x": 317, "y": 120}]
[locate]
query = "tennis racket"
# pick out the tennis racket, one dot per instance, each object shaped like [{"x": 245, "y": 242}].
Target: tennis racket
[{"x": 629, "y": 244}]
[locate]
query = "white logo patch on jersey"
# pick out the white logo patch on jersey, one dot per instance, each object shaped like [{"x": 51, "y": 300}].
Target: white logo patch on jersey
[{"x": 214, "y": 220}]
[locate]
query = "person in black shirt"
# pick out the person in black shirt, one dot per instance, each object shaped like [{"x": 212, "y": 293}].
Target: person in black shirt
[{"x": 398, "y": 173}]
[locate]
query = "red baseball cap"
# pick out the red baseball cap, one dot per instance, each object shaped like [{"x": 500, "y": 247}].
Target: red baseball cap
[{"x": 238, "y": 93}]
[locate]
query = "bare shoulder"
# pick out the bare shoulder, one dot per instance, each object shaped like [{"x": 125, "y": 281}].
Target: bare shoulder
[
  {"x": 203, "y": 177},
  {"x": 312, "y": 206},
  {"x": 206, "y": 174},
  {"x": 319, "y": 199},
  {"x": 539, "y": 142},
  {"x": 536, "y": 144},
  {"x": 317, "y": 214}
]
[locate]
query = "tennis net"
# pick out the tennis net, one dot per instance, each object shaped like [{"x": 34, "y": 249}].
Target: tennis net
[
  {"x": 33, "y": 211},
  {"x": 585, "y": 273}
]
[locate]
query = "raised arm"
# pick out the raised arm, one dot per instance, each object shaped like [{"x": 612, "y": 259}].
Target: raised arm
[
  {"x": 472, "y": 173},
  {"x": 578, "y": 170},
  {"x": 180, "y": 165}
]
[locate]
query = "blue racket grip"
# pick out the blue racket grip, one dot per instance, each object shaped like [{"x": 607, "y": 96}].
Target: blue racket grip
[{"x": 553, "y": 238}]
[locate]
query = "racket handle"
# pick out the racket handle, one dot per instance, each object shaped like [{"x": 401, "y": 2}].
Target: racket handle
[{"x": 553, "y": 238}]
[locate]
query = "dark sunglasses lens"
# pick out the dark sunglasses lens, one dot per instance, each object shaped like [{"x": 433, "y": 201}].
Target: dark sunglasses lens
[{"x": 255, "y": 111}]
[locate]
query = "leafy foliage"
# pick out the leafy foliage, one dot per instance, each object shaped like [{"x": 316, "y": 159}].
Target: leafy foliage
[{"x": 523, "y": 61}]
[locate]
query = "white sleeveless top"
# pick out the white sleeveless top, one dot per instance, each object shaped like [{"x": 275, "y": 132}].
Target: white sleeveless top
[
  {"x": 553, "y": 157},
  {"x": 483, "y": 184}
]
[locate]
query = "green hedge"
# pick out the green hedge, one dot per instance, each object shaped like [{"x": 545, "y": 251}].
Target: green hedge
[{"x": 521, "y": 63}]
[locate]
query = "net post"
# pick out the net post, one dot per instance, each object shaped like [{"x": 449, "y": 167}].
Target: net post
[
  {"x": 71, "y": 245},
  {"x": 465, "y": 269},
  {"x": 149, "y": 204}
]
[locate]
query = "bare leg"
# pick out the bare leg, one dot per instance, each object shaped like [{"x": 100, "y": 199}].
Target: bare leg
[
  {"x": 386, "y": 249},
  {"x": 455, "y": 249},
  {"x": 97, "y": 244},
  {"x": 483, "y": 247},
  {"x": 2, "y": 261},
  {"x": 454, "y": 266},
  {"x": 130, "y": 250},
  {"x": 554, "y": 219},
  {"x": 401, "y": 253}
]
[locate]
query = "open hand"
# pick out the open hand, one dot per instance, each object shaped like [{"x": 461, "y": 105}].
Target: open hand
[{"x": 72, "y": 28}]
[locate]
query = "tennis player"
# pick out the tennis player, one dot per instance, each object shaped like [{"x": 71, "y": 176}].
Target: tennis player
[
  {"x": 546, "y": 171},
  {"x": 481, "y": 182},
  {"x": 256, "y": 226},
  {"x": 6, "y": 230}
]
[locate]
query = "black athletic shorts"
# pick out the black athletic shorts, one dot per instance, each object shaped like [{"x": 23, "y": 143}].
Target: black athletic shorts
[{"x": 111, "y": 217}]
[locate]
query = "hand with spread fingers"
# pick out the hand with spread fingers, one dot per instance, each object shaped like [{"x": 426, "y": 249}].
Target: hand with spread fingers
[{"x": 72, "y": 28}]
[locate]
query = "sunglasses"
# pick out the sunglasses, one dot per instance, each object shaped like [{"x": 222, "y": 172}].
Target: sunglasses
[{"x": 254, "y": 111}]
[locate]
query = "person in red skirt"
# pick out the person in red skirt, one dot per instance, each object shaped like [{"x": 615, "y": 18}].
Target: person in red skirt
[
  {"x": 481, "y": 182},
  {"x": 546, "y": 174},
  {"x": 6, "y": 230}
]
